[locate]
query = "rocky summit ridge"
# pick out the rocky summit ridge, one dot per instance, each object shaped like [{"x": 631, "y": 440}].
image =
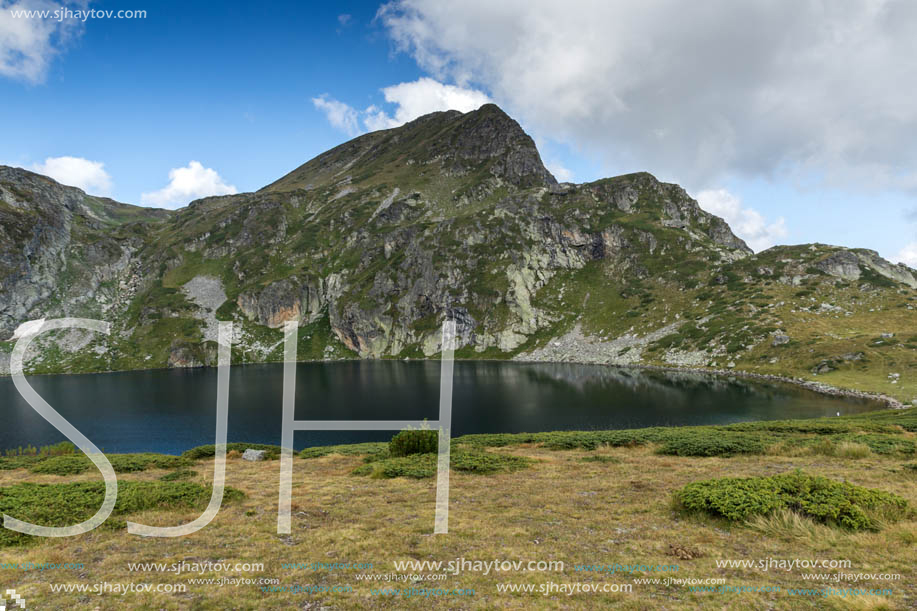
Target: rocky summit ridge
[{"x": 372, "y": 244}]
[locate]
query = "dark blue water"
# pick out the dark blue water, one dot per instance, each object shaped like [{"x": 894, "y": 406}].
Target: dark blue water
[{"x": 172, "y": 410}]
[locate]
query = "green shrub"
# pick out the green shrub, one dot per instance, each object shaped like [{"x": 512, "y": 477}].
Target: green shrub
[
  {"x": 19, "y": 462},
  {"x": 376, "y": 457},
  {"x": 209, "y": 451},
  {"x": 712, "y": 444},
  {"x": 415, "y": 441},
  {"x": 180, "y": 474},
  {"x": 364, "y": 470},
  {"x": 820, "y": 426},
  {"x": 122, "y": 463},
  {"x": 130, "y": 463},
  {"x": 354, "y": 449},
  {"x": 417, "y": 466},
  {"x": 824, "y": 500},
  {"x": 497, "y": 440},
  {"x": 676, "y": 438},
  {"x": 66, "y": 504},
  {"x": 834, "y": 445},
  {"x": 420, "y": 466},
  {"x": 62, "y": 465},
  {"x": 886, "y": 425},
  {"x": 880, "y": 431},
  {"x": 590, "y": 440},
  {"x": 488, "y": 462},
  {"x": 881, "y": 444}
]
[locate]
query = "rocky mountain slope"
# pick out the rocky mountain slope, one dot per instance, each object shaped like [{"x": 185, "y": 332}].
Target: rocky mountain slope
[{"x": 373, "y": 243}]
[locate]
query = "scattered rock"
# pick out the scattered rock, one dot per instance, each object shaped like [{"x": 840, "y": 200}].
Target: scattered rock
[
  {"x": 682, "y": 552},
  {"x": 207, "y": 293},
  {"x": 627, "y": 349},
  {"x": 823, "y": 367},
  {"x": 780, "y": 339},
  {"x": 253, "y": 455},
  {"x": 827, "y": 308}
]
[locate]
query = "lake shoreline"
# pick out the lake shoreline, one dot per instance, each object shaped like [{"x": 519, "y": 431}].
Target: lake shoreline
[{"x": 818, "y": 387}]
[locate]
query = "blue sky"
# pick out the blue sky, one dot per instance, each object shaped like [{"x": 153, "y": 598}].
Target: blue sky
[
  {"x": 780, "y": 129},
  {"x": 229, "y": 87}
]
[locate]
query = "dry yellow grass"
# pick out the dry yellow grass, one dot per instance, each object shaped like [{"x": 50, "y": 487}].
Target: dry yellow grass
[{"x": 560, "y": 509}]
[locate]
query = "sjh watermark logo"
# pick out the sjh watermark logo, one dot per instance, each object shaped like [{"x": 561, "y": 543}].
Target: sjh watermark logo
[
  {"x": 14, "y": 599},
  {"x": 290, "y": 426}
]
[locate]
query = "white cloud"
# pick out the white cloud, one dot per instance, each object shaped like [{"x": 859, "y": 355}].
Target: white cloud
[
  {"x": 28, "y": 44},
  {"x": 340, "y": 115},
  {"x": 907, "y": 255},
  {"x": 411, "y": 100},
  {"x": 187, "y": 184},
  {"x": 561, "y": 173},
  {"x": 694, "y": 93},
  {"x": 422, "y": 97},
  {"x": 747, "y": 223},
  {"x": 90, "y": 176}
]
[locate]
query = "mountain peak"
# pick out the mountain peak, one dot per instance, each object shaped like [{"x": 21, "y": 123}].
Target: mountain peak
[
  {"x": 488, "y": 133},
  {"x": 484, "y": 142}
]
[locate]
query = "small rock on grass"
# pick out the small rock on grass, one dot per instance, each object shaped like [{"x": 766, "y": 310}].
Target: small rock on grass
[{"x": 253, "y": 455}]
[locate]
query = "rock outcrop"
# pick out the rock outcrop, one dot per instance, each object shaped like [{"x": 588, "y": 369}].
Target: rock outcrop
[
  {"x": 64, "y": 253},
  {"x": 284, "y": 300}
]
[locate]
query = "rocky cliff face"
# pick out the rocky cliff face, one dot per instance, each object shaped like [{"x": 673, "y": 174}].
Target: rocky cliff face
[
  {"x": 283, "y": 300},
  {"x": 62, "y": 251},
  {"x": 371, "y": 245}
]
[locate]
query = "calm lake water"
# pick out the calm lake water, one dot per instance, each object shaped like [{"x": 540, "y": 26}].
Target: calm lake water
[{"x": 170, "y": 411}]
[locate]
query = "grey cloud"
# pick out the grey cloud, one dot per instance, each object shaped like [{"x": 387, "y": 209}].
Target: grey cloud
[{"x": 693, "y": 91}]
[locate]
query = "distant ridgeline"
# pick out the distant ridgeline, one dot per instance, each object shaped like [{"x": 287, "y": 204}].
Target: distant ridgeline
[{"x": 373, "y": 243}]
